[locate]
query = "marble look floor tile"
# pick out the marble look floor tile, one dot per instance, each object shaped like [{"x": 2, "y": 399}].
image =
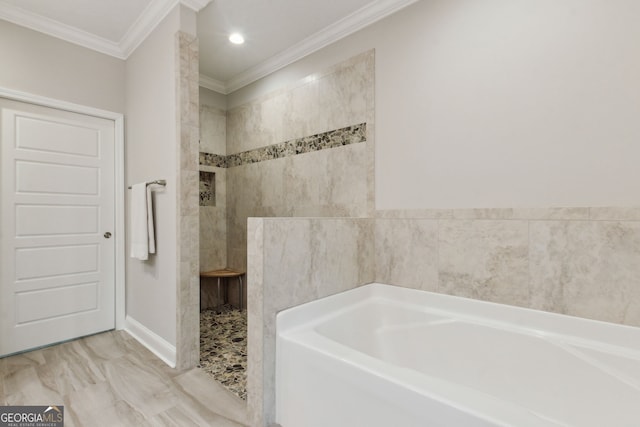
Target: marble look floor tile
[
  {"x": 190, "y": 414},
  {"x": 119, "y": 414},
  {"x": 3, "y": 396},
  {"x": 112, "y": 380},
  {"x": 9, "y": 365},
  {"x": 68, "y": 367},
  {"x": 127, "y": 376},
  {"x": 89, "y": 399},
  {"x": 24, "y": 387},
  {"x": 108, "y": 346},
  {"x": 199, "y": 387},
  {"x": 15, "y": 399}
]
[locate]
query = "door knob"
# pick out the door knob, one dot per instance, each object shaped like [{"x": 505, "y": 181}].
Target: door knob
[{"x": 107, "y": 235}]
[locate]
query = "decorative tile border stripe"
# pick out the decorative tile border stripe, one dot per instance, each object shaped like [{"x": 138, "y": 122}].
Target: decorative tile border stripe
[
  {"x": 209, "y": 159},
  {"x": 322, "y": 141}
]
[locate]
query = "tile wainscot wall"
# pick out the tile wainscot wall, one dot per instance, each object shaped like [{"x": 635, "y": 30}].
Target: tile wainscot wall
[{"x": 577, "y": 261}]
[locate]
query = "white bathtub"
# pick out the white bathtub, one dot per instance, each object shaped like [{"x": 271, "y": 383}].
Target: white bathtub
[{"x": 383, "y": 356}]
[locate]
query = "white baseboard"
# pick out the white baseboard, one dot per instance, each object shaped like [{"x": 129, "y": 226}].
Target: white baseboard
[{"x": 154, "y": 342}]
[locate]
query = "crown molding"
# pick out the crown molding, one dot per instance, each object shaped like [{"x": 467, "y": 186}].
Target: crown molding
[
  {"x": 196, "y": 5},
  {"x": 359, "y": 19},
  {"x": 24, "y": 18},
  {"x": 157, "y": 10},
  {"x": 213, "y": 84},
  {"x": 148, "y": 20}
]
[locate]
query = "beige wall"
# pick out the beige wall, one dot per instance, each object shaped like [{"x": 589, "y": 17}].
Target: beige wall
[
  {"x": 35, "y": 63},
  {"x": 487, "y": 104},
  {"x": 213, "y": 99},
  {"x": 151, "y": 152}
]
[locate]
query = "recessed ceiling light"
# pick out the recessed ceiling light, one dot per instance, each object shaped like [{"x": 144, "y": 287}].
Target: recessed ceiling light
[{"x": 236, "y": 38}]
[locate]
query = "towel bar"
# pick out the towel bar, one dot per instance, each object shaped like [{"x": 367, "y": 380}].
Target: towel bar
[{"x": 162, "y": 182}]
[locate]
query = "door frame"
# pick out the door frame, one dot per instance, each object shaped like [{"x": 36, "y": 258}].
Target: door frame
[{"x": 119, "y": 236}]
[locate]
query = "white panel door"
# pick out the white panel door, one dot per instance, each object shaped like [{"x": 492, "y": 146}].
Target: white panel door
[{"x": 57, "y": 267}]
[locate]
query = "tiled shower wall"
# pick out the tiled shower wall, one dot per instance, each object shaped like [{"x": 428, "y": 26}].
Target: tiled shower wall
[
  {"x": 318, "y": 165},
  {"x": 578, "y": 261},
  {"x": 213, "y": 213},
  {"x": 213, "y": 221}
]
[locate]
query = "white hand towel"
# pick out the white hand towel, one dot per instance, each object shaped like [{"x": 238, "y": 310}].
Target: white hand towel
[
  {"x": 150, "y": 231},
  {"x": 142, "y": 234}
]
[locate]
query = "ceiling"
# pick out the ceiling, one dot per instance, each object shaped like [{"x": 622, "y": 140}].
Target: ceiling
[{"x": 277, "y": 32}]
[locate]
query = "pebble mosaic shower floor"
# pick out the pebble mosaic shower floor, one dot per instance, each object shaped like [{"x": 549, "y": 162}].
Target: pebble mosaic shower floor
[{"x": 223, "y": 347}]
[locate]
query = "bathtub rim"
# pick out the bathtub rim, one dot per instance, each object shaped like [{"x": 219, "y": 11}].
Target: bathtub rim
[{"x": 623, "y": 340}]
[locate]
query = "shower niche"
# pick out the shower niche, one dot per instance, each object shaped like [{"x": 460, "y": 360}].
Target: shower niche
[{"x": 207, "y": 188}]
